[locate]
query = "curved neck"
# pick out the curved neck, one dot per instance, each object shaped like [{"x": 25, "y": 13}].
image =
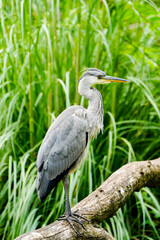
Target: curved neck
[
  {"x": 95, "y": 102},
  {"x": 95, "y": 107},
  {"x": 94, "y": 97}
]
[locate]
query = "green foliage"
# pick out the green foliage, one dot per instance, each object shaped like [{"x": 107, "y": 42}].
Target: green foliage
[{"x": 44, "y": 45}]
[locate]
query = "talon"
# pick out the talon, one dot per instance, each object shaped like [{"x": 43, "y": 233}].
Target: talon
[
  {"x": 73, "y": 217},
  {"x": 63, "y": 217},
  {"x": 77, "y": 215},
  {"x": 78, "y": 221},
  {"x": 71, "y": 224}
]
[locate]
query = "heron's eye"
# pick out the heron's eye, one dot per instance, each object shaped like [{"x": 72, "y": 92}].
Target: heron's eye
[{"x": 100, "y": 76}]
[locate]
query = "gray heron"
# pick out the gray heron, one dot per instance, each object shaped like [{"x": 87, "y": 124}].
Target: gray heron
[{"x": 66, "y": 142}]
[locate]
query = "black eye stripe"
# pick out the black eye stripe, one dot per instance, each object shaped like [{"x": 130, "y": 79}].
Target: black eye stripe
[
  {"x": 87, "y": 74},
  {"x": 101, "y": 76},
  {"x": 93, "y": 72}
]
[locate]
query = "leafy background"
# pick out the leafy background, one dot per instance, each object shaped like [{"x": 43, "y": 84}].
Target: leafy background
[{"x": 44, "y": 46}]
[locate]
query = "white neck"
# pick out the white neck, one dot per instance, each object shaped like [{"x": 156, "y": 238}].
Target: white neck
[{"x": 95, "y": 106}]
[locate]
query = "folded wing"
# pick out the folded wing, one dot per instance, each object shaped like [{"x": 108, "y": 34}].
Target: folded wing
[{"x": 62, "y": 146}]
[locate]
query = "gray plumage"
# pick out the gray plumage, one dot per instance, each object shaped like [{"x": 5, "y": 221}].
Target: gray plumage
[
  {"x": 61, "y": 148},
  {"x": 66, "y": 142}
]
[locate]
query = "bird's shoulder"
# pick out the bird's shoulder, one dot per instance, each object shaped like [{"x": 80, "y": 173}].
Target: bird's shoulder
[{"x": 67, "y": 118}]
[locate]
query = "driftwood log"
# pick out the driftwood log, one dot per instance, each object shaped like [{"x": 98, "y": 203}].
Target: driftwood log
[{"x": 103, "y": 202}]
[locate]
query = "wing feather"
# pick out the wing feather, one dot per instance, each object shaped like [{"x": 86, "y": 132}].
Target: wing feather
[{"x": 62, "y": 146}]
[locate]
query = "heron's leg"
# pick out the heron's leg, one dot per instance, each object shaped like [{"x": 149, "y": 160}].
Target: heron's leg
[
  {"x": 66, "y": 188},
  {"x": 69, "y": 216}
]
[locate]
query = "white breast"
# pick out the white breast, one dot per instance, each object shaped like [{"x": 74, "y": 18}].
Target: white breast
[{"x": 80, "y": 159}]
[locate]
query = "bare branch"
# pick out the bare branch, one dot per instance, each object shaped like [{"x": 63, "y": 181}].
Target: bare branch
[{"x": 103, "y": 202}]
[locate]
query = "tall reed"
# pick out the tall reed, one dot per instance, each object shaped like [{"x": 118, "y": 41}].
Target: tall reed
[{"x": 44, "y": 46}]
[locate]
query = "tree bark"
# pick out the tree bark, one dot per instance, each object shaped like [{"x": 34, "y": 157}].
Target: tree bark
[{"x": 103, "y": 202}]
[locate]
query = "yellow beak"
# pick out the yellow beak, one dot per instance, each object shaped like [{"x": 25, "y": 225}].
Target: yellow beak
[{"x": 108, "y": 79}]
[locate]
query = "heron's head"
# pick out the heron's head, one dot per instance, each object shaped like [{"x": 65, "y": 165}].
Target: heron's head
[{"x": 96, "y": 76}]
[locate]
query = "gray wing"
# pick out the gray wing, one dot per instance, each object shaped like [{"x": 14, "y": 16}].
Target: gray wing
[{"x": 63, "y": 144}]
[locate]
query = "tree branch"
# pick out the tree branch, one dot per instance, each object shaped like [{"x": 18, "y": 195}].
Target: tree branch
[{"x": 103, "y": 202}]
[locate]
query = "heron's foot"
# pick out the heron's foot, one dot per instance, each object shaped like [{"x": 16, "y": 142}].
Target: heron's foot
[
  {"x": 77, "y": 215},
  {"x": 73, "y": 217}
]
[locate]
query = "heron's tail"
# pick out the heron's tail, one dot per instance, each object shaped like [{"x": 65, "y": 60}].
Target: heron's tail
[{"x": 44, "y": 185}]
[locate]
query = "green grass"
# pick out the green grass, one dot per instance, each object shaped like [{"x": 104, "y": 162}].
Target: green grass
[{"x": 44, "y": 46}]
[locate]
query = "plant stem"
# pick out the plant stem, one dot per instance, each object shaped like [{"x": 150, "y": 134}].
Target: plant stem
[
  {"x": 78, "y": 50},
  {"x": 31, "y": 114}
]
